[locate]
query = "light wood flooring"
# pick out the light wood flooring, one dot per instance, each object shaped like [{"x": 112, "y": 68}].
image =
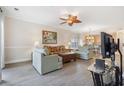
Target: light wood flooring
[{"x": 72, "y": 74}]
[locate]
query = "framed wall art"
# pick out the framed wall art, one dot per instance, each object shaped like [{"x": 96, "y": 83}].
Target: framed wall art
[{"x": 49, "y": 37}]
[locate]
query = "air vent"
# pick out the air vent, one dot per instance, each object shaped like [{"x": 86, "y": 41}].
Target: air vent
[{"x": 16, "y": 9}]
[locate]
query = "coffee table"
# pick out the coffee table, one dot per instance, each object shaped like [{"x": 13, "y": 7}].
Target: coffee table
[{"x": 67, "y": 57}]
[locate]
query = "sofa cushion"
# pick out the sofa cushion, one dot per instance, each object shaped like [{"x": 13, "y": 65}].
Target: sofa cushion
[{"x": 56, "y": 49}]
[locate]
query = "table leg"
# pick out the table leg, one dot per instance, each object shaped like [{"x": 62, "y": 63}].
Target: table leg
[{"x": 93, "y": 79}]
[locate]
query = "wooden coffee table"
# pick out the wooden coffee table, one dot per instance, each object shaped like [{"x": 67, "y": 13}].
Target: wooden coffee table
[{"x": 67, "y": 57}]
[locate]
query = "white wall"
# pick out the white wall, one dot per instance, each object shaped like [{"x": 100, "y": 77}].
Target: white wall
[{"x": 20, "y": 37}]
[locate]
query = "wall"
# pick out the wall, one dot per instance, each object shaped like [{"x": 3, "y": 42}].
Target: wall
[
  {"x": 20, "y": 37},
  {"x": 120, "y": 35}
]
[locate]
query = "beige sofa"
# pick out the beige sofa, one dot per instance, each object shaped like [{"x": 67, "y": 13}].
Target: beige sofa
[{"x": 56, "y": 49}]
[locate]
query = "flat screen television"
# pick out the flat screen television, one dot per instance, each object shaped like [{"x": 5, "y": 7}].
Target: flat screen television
[{"x": 106, "y": 43}]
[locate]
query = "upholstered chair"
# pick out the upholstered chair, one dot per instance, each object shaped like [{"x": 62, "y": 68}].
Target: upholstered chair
[{"x": 44, "y": 63}]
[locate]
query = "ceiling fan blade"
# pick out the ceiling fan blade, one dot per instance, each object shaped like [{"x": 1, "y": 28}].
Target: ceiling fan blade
[
  {"x": 62, "y": 23},
  {"x": 77, "y": 21},
  {"x": 63, "y": 19}
]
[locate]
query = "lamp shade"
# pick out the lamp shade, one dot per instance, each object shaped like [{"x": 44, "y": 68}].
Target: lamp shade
[{"x": 36, "y": 44}]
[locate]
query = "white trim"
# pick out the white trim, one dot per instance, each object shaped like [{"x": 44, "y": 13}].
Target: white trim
[
  {"x": 18, "y": 61},
  {"x": 2, "y": 41}
]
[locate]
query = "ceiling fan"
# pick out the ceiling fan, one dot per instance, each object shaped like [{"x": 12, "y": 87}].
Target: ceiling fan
[{"x": 70, "y": 20}]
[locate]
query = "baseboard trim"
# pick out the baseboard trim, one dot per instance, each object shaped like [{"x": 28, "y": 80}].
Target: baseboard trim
[{"x": 18, "y": 61}]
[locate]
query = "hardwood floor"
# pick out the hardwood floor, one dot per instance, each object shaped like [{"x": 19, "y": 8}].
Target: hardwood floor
[{"x": 72, "y": 74}]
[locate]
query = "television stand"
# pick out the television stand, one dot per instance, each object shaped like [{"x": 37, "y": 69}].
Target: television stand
[{"x": 104, "y": 77}]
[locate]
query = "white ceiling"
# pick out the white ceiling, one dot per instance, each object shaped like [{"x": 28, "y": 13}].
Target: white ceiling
[{"x": 92, "y": 17}]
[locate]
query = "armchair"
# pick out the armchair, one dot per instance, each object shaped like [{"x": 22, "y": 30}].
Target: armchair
[
  {"x": 45, "y": 63},
  {"x": 84, "y": 53}
]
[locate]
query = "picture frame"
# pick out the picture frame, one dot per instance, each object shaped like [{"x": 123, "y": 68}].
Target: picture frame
[{"x": 49, "y": 37}]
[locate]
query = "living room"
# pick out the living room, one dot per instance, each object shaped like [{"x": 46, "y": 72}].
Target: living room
[{"x": 44, "y": 48}]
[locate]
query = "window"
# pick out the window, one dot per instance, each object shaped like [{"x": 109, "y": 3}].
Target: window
[{"x": 74, "y": 42}]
